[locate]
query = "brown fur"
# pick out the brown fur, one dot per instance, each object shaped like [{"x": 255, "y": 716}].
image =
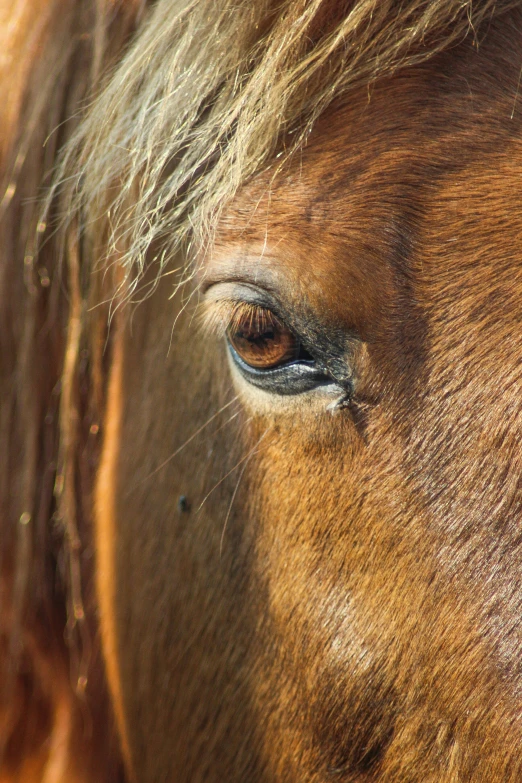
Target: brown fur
[{"x": 337, "y": 596}]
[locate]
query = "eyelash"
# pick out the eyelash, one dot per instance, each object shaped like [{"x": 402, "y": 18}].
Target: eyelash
[{"x": 220, "y": 317}]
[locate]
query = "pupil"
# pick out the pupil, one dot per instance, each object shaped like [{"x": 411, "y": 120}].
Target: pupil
[{"x": 257, "y": 337}]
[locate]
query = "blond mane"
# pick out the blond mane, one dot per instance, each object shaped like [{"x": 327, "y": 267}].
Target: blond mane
[{"x": 212, "y": 90}]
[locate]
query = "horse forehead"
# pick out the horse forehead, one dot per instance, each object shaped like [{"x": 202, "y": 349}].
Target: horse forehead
[
  {"x": 344, "y": 177},
  {"x": 359, "y": 197},
  {"x": 330, "y": 221}
]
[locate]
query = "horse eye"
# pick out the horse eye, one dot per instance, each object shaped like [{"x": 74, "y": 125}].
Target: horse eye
[
  {"x": 261, "y": 340},
  {"x": 271, "y": 356}
]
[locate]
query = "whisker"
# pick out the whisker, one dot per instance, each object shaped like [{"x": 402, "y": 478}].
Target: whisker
[
  {"x": 175, "y": 453},
  {"x": 226, "y": 474},
  {"x": 247, "y": 460},
  {"x": 182, "y": 309}
]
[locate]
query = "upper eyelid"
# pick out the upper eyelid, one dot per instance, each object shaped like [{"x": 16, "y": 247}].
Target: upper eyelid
[
  {"x": 225, "y": 299},
  {"x": 241, "y": 291}
]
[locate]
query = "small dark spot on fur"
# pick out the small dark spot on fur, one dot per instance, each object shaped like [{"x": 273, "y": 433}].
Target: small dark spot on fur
[{"x": 183, "y": 505}]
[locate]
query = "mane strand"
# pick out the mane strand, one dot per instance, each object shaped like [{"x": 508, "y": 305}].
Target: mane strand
[{"x": 211, "y": 91}]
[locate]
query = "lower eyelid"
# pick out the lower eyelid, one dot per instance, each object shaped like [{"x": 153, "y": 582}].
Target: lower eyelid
[{"x": 289, "y": 379}]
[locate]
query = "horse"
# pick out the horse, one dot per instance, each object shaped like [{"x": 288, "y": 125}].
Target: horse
[{"x": 261, "y": 364}]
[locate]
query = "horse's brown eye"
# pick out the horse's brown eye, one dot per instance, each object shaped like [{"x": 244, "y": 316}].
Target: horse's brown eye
[{"x": 261, "y": 340}]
